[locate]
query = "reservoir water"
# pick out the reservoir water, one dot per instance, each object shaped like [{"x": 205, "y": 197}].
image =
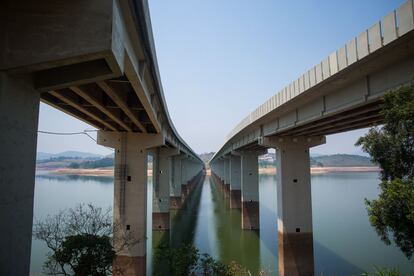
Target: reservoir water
[{"x": 344, "y": 241}]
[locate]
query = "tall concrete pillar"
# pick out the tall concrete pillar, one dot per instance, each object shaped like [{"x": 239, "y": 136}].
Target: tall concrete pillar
[
  {"x": 130, "y": 197},
  {"x": 19, "y": 111},
  {"x": 175, "y": 189},
  {"x": 162, "y": 178},
  {"x": 294, "y": 204},
  {"x": 250, "y": 190},
  {"x": 222, "y": 174},
  {"x": 221, "y": 169},
  {"x": 235, "y": 182},
  {"x": 227, "y": 176},
  {"x": 185, "y": 177}
]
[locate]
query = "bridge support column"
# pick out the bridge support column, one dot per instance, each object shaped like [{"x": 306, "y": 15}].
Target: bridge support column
[
  {"x": 19, "y": 111},
  {"x": 222, "y": 175},
  {"x": 235, "y": 182},
  {"x": 175, "y": 190},
  {"x": 162, "y": 178},
  {"x": 130, "y": 197},
  {"x": 250, "y": 191},
  {"x": 294, "y": 204},
  {"x": 226, "y": 176},
  {"x": 184, "y": 181}
]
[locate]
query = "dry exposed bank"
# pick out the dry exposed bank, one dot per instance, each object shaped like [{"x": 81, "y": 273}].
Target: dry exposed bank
[
  {"x": 88, "y": 172},
  {"x": 323, "y": 170},
  {"x": 268, "y": 171}
]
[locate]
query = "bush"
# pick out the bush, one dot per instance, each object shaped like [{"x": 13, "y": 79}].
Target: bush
[{"x": 186, "y": 260}]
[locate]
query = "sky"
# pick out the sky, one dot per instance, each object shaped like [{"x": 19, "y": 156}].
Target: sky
[{"x": 219, "y": 60}]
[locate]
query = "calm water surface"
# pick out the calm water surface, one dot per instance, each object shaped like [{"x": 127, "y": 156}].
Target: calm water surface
[{"x": 344, "y": 241}]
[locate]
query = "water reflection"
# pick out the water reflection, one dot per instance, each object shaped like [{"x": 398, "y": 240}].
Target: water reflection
[
  {"x": 344, "y": 241},
  {"x": 183, "y": 224},
  {"x": 231, "y": 243},
  {"x": 68, "y": 177}
]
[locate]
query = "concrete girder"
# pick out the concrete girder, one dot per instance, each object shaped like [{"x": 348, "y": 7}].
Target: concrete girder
[
  {"x": 121, "y": 102},
  {"x": 89, "y": 96}
]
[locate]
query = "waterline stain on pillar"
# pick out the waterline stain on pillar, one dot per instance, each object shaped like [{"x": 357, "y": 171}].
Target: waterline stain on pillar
[
  {"x": 227, "y": 190},
  {"x": 235, "y": 199},
  {"x": 129, "y": 266},
  {"x": 250, "y": 215},
  {"x": 184, "y": 192},
  {"x": 295, "y": 253},
  {"x": 161, "y": 221}
]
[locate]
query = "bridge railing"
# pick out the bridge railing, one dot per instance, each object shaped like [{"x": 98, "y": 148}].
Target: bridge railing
[{"x": 394, "y": 25}]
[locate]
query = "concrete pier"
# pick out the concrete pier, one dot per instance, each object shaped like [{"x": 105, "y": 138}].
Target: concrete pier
[
  {"x": 130, "y": 196},
  {"x": 175, "y": 189},
  {"x": 235, "y": 182},
  {"x": 295, "y": 235},
  {"x": 226, "y": 177},
  {"x": 162, "y": 178},
  {"x": 184, "y": 180},
  {"x": 250, "y": 191},
  {"x": 19, "y": 108}
]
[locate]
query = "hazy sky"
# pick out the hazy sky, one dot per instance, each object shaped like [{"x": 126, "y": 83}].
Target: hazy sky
[{"x": 220, "y": 59}]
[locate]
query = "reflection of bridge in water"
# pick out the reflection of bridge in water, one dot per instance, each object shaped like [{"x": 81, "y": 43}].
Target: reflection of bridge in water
[{"x": 96, "y": 61}]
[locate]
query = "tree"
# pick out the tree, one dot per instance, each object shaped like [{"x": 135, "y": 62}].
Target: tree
[
  {"x": 81, "y": 241},
  {"x": 186, "y": 260},
  {"x": 392, "y": 148}
]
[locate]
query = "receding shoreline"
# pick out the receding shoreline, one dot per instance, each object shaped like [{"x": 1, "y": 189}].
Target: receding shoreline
[
  {"x": 109, "y": 172},
  {"x": 324, "y": 170}
]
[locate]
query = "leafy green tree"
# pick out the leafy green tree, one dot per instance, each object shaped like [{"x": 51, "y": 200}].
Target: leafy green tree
[
  {"x": 86, "y": 254},
  {"x": 80, "y": 241},
  {"x": 382, "y": 272},
  {"x": 186, "y": 260},
  {"x": 174, "y": 261},
  {"x": 392, "y": 148}
]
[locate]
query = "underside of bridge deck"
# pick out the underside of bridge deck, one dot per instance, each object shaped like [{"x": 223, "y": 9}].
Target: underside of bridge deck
[{"x": 108, "y": 105}]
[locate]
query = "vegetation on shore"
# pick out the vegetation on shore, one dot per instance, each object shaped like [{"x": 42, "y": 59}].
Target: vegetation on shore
[
  {"x": 392, "y": 147},
  {"x": 187, "y": 260},
  {"x": 80, "y": 241},
  {"x": 92, "y": 164}
]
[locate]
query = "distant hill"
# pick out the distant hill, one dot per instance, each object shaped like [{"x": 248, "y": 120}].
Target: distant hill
[
  {"x": 319, "y": 160},
  {"x": 93, "y": 164},
  {"x": 343, "y": 160},
  {"x": 77, "y": 159},
  {"x": 70, "y": 154},
  {"x": 206, "y": 156}
]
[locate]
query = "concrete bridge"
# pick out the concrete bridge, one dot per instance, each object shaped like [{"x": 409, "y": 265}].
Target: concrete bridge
[
  {"x": 341, "y": 93},
  {"x": 94, "y": 60}
]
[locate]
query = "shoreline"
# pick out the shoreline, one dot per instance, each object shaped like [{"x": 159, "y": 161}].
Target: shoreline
[
  {"x": 325, "y": 170},
  {"x": 109, "y": 172}
]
